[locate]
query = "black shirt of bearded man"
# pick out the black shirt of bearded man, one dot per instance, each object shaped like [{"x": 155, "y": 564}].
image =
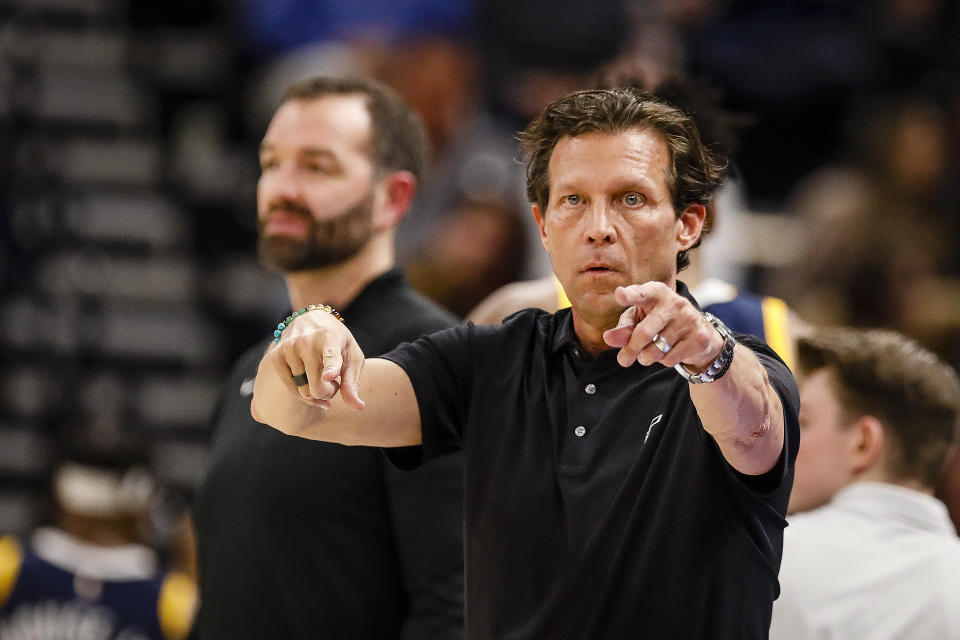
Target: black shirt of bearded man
[
  {"x": 596, "y": 504},
  {"x": 295, "y": 536}
]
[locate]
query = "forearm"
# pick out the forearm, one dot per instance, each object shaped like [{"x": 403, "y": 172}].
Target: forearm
[
  {"x": 390, "y": 417},
  {"x": 743, "y": 413},
  {"x": 738, "y": 407}
]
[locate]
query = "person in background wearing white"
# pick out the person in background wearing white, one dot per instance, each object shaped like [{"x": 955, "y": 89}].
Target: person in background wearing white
[{"x": 874, "y": 554}]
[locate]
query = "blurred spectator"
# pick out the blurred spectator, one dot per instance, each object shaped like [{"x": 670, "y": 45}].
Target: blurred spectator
[
  {"x": 877, "y": 557},
  {"x": 536, "y": 51},
  {"x": 877, "y": 248},
  {"x": 543, "y": 293},
  {"x": 470, "y": 251},
  {"x": 91, "y": 573},
  {"x": 792, "y": 65},
  {"x": 300, "y": 539},
  {"x": 948, "y": 490},
  {"x": 272, "y": 27},
  {"x": 475, "y": 154},
  {"x": 797, "y": 65}
]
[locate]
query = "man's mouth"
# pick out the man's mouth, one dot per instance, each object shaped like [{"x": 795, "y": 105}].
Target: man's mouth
[
  {"x": 598, "y": 267},
  {"x": 285, "y": 222}
]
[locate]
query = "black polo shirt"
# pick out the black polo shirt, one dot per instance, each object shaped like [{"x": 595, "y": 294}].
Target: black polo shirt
[{"x": 596, "y": 504}]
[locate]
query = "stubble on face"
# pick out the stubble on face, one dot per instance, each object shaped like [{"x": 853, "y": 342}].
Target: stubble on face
[{"x": 325, "y": 242}]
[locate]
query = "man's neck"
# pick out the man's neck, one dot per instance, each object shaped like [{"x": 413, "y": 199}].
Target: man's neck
[
  {"x": 339, "y": 284},
  {"x": 876, "y": 474},
  {"x": 693, "y": 274},
  {"x": 589, "y": 325},
  {"x": 590, "y": 330}
]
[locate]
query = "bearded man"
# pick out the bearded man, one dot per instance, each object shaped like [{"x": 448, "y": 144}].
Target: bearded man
[{"x": 299, "y": 539}]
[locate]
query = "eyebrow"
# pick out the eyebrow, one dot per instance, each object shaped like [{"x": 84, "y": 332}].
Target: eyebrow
[
  {"x": 310, "y": 152},
  {"x": 315, "y": 152},
  {"x": 321, "y": 155},
  {"x": 616, "y": 186}
]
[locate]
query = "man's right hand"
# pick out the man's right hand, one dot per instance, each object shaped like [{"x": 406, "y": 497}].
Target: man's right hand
[{"x": 319, "y": 345}]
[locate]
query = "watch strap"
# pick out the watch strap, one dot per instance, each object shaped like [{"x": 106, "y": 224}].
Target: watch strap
[{"x": 721, "y": 364}]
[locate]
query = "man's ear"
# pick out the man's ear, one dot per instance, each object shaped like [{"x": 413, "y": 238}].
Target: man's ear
[
  {"x": 868, "y": 445},
  {"x": 690, "y": 225},
  {"x": 393, "y": 198},
  {"x": 541, "y": 224}
]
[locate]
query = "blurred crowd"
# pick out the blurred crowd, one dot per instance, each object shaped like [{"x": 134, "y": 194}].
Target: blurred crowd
[
  {"x": 127, "y": 218},
  {"x": 846, "y": 153}
]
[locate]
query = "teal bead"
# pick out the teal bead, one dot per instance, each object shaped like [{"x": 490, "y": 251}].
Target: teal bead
[{"x": 282, "y": 326}]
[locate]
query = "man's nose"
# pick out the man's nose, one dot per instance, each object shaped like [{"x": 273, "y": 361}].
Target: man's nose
[
  {"x": 599, "y": 225},
  {"x": 281, "y": 182}
]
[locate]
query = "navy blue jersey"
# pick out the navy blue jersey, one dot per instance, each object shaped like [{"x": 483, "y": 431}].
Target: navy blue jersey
[
  {"x": 37, "y": 596},
  {"x": 766, "y": 317}
]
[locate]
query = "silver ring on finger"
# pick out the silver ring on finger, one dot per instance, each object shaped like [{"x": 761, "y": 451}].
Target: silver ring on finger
[{"x": 661, "y": 344}]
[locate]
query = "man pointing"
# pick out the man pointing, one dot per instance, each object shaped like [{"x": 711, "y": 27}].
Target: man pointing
[{"x": 628, "y": 461}]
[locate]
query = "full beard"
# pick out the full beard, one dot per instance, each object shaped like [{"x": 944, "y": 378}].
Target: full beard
[{"x": 326, "y": 243}]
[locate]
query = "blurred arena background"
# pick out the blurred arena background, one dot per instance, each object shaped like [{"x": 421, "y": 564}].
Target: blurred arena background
[{"x": 127, "y": 210}]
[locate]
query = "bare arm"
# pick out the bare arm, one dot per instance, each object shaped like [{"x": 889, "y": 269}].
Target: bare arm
[
  {"x": 741, "y": 410},
  {"x": 330, "y": 408}
]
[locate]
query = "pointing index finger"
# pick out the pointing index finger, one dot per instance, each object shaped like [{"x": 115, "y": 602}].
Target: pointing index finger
[
  {"x": 332, "y": 364},
  {"x": 350, "y": 378}
]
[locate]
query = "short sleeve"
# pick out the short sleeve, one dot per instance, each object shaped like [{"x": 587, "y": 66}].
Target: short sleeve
[{"x": 440, "y": 368}]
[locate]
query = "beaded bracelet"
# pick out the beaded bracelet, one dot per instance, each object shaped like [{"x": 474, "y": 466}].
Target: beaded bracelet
[{"x": 299, "y": 312}]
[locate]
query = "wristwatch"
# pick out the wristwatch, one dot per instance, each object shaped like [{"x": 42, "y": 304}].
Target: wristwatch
[{"x": 719, "y": 366}]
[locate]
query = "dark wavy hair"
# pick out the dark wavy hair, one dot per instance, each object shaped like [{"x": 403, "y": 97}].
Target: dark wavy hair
[{"x": 695, "y": 170}]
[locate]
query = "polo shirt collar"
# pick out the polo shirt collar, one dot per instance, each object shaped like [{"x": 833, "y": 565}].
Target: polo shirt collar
[
  {"x": 564, "y": 336},
  {"x": 384, "y": 282},
  {"x": 369, "y": 294}
]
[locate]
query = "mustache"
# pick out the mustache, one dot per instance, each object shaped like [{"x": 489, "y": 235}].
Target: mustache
[{"x": 289, "y": 206}]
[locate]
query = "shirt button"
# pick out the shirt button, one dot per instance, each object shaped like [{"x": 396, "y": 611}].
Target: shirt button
[
  {"x": 590, "y": 389},
  {"x": 576, "y": 352},
  {"x": 580, "y": 431}
]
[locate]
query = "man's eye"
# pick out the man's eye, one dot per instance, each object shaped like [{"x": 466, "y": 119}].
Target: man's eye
[
  {"x": 572, "y": 199},
  {"x": 633, "y": 199},
  {"x": 267, "y": 164}
]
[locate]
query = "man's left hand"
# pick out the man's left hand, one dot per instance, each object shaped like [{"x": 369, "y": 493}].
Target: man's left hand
[{"x": 659, "y": 325}]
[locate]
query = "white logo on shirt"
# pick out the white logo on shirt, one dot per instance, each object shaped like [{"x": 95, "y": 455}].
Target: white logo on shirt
[
  {"x": 246, "y": 387},
  {"x": 650, "y": 428}
]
